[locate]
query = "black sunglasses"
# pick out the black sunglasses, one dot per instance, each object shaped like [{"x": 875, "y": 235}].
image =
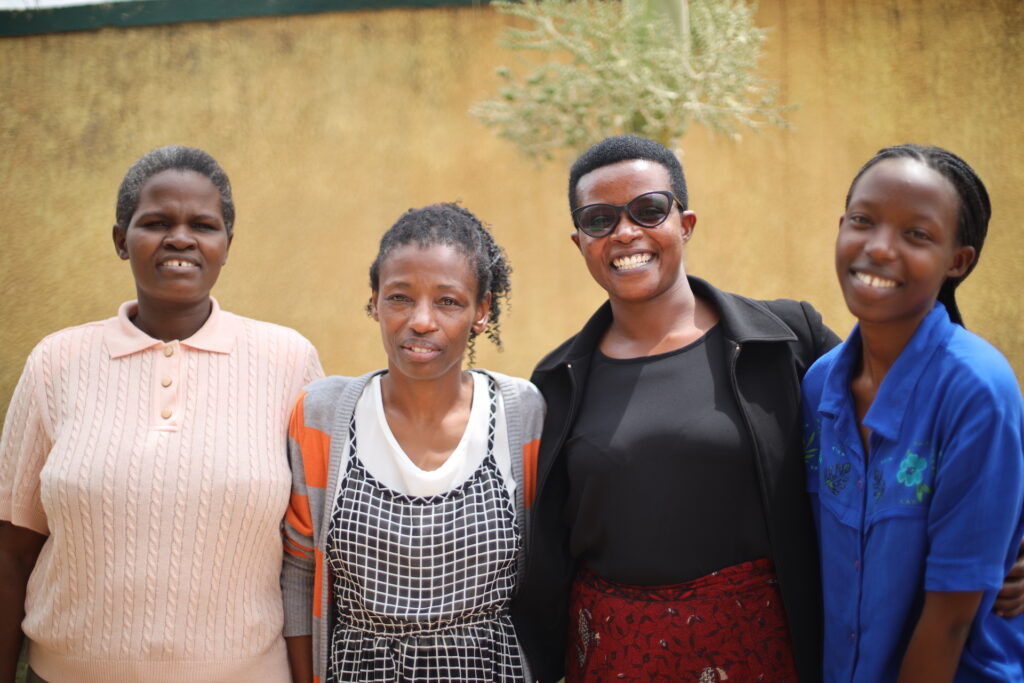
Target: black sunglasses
[{"x": 649, "y": 210}]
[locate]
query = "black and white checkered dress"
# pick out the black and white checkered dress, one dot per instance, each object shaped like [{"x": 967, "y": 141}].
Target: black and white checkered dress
[{"x": 422, "y": 584}]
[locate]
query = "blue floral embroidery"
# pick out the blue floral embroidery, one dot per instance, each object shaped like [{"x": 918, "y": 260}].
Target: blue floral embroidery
[
  {"x": 836, "y": 477},
  {"x": 911, "y": 474}
]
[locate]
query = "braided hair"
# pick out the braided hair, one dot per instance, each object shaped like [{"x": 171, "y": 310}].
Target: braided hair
[
  {"x": 975, "y": 208},
  {"x": 173, "y": 158},
  {"x": 451, "y": 225}
]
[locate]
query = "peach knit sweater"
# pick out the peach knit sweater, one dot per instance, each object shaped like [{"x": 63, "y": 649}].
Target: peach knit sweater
[{"x": 159, "y": 473}]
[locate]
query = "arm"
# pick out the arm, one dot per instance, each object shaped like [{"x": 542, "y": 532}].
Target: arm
[
  {"x": 19, "y": 548},
  {"x": 934, "y": 651},
  {"x": 300, "y": 658},
  {"x": 1010, "y": 601}
]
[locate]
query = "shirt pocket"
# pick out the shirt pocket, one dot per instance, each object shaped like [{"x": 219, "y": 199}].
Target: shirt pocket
[{"x": 901, "y": 484}]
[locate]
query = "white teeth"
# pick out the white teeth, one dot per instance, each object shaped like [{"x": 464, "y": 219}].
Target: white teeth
[
  {"x": 628, "y": 262},
  {"x": 875, "y": 281},
  {"x": 420, "y": 349},
  {"x": 179, "y": 264}
]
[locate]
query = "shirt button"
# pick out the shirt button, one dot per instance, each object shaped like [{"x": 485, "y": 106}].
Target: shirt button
[
  {"x": 860, "y": 484},
  {"x": 853, "y": 637},
  {"x": 166, "y": 413},
  {"x": 168, "y": 351},
  {"x": 856, "y": 565},
  {"x": 166, "y": 382}
]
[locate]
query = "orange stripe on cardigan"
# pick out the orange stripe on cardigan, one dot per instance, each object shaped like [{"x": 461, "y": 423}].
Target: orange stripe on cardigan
[
  {"x": 530, "y": 451},
  {"x": 314, "y": 445}
]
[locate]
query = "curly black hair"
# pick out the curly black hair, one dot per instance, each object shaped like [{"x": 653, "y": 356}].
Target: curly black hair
[
  {"x": 627, "y": 148},
  {"x": 452, "y": 225},
  {"x": 173, "y": 158},
  {"x": 975, "y": 207}
]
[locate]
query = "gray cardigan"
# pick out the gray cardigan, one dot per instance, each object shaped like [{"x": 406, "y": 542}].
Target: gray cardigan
[{"x": 317, "y": 436}]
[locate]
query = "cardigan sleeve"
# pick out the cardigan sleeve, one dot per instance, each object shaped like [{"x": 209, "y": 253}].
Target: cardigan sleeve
[
  {"x": 307, "y": 460},
  {"x": 24, "y": 447}
]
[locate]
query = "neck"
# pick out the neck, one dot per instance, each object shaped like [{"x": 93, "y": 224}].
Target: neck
[
  {"x": 672, "y": 320},
  {"x": 425, "y": 401},
  {"x": 881, "y": 345},
  {"x": 168, "y": 322}
]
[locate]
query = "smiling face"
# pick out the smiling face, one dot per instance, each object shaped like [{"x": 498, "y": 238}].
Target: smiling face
[
  {"x": 634, "y": 264},
  {"x": 898, "y": 242},
  {"x": 176, "y": 240},
  {"x": 427, "y": 306}
]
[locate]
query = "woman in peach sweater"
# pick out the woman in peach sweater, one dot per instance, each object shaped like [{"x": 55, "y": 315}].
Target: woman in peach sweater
[{"x": 143, "y": 472}]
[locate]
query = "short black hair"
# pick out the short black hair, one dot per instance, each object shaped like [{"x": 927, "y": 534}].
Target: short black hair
[
  {"x": 173, "y": 158},
  {"x": 452, "y": 225},
  {"x": 975, "y": 207},
  {"x": 626, "y": 148}
]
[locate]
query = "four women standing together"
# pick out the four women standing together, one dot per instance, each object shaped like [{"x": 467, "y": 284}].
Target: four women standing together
[{"x": 663, "y": 524}]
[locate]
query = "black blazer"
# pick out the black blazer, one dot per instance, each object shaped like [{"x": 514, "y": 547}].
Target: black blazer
[{"x": 770, "y": 345}]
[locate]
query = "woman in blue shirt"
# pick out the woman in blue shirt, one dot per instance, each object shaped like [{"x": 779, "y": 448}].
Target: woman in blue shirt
[{"x": 914, "y": 439}]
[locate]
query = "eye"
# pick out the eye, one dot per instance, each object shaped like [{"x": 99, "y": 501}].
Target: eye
[
  {"x": 153, "y": 223},
  {"x": 448, "y": 301},
  {"x": 205, "y": 226},
  {"x": 919, "y": 235},
  {"x": 858, "y": 220},
  {"x": 397, "y": 298}
]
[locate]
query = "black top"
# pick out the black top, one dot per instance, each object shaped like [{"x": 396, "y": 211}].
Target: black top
[
  {"x": 662, "y": 482},
  {"x": 769, "y": 345}
]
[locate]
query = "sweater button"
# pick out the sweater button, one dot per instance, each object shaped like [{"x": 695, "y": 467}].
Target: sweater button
[
  {"x": 165, "y": 382},
  {"x": 168, "y": 351},
  {"x": 166, "y": 413}
]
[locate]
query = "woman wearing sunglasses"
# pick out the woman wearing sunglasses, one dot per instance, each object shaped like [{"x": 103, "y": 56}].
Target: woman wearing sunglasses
[{"x": 670, "y": 523}]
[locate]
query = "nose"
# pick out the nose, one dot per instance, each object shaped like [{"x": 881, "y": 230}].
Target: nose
[
  {"x": 179, "y": 236},
  {"x": 880, "y": 245},
  {"x": 626, "y": 231},
  {"x": 422, "y": 321}
]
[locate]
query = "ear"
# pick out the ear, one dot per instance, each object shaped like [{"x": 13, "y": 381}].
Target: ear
[
  {"x": 688, "y": 221},
  {"x": 963, "y": 257},
  {"x": 373, "y": 305},
  {"x": 118, "y": 233},
  {"x": 483, "y": 313},
  {"x": 575, "y": 237}
]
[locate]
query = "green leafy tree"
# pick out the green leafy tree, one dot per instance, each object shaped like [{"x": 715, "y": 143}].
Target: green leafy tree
[{"x": 648, "y": 67}]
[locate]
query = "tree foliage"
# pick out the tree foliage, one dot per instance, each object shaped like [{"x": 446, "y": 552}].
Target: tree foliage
[{"x": 648, "y": 67}]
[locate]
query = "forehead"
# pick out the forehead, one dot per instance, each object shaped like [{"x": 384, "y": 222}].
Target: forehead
[
  {"x": 910, "y": 185},
  {"x": 179, "y": 185},
  {"x": 619, "y": 182},
  {"x": 434, "y": 265}
]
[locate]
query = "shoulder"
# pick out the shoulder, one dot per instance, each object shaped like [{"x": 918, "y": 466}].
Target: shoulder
[
  {"x": 279, "y": 335},
  {"x": 971, "y": 368},
  {"x": 70, "y": 341},
  {"x": 814, "y": 379},
  {"x": 524, "y": 390},
  {"x": 322, "y": 398}
]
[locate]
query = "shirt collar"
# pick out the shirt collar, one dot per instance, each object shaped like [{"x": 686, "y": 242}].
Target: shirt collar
[
  {"x": 123, "y": 338},
  {"x": 887, "y": 411}
]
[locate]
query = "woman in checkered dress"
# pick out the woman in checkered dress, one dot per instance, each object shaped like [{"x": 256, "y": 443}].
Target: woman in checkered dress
[{"x": 405, "y": 535}]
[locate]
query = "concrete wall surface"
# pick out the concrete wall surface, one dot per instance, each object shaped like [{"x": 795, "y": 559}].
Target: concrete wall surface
[{"x": 331, "y": 125}]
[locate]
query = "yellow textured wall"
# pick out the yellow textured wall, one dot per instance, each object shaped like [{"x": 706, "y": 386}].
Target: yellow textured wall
[{"x": 331, "y": 125}]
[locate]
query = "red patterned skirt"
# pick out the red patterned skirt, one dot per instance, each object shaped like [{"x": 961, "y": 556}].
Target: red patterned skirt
[{"x": 726, "y": 626}]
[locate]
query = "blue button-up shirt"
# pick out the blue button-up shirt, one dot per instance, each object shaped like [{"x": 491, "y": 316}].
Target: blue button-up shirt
[{"x": 935, "y": 506}]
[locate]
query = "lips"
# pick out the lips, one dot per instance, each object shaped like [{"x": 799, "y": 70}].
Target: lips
[{"x": 419, "y": 349}]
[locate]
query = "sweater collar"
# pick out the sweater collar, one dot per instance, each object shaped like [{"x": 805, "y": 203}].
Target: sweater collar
[{"x": 122, "y": 338}]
